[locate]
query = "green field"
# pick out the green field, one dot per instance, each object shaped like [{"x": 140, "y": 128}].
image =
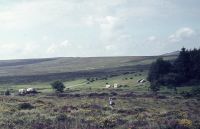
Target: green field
[
  {"x": 127, "y": 81},
  {"x": 83, "y": 84}
]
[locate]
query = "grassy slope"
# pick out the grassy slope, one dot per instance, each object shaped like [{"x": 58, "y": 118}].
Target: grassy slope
[
  {"x": 82, "y": 85},
  {"x": 61, "y": 65}
]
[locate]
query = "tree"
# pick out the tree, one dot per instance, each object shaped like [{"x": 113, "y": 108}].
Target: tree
[
  {"x": 158, "y": 69},
  {"x": 182, "y": 65},
  {"x": 183, "y": 70},
  {"x": 58, "y": 86},
  {"x": 7, "y": 92},
  {"x": 195, "y": 64},
  {"x": 155, "y": 86},
  {"x": 171, "y": 80}
]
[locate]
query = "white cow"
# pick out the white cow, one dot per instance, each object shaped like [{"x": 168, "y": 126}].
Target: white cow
[
  {"x": 115, "y": 85},
  {"x": 141, "y": 81},
  {"x": 108, "y": 86},
  {"x": 22, "y": 91},
  {"x": 31, "y": 90}
]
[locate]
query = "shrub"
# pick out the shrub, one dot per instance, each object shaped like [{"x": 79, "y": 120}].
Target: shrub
[
  {"x": 7, "y": 92},
  {"x": 58, "y": 86},
  {"x": 196, "y": 91},
  {"x": 62, "y": 117},
  {"x": 168, "y": 124},
  {"x": 184, "y": 124},
  {"x": 186, "y": 94},
  {"x": 155, "y": 87},
  {"x": 24, "y": 106},
  {"x": 110, "y": 121},
  {"x": 113, "y": 93}
]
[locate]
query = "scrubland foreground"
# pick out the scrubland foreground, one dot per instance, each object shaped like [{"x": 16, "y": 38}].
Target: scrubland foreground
[{"x": 91, "y": 110}]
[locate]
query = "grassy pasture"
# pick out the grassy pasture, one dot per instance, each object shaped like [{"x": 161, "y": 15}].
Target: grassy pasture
[
  {"x": 130, "y": 80},
  {"x": 127, "y": 82}
]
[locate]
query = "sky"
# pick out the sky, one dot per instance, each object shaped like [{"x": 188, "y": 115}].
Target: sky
[{"x": 90, "y": 28}]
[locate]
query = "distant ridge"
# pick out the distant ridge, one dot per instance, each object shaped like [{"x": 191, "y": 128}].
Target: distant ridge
[{"x": 175, "y": 53}]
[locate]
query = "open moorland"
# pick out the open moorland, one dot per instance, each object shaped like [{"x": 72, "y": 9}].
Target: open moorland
[{"x": 84, "y": 104}]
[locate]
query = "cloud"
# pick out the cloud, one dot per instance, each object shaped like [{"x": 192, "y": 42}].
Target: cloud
[
  {"x": 59, "y": 49},
  {"x": 109, "y": 47},
  {"x": 39, "y": 28},
  {"x": 45, "y": 38},
  {"x": 181, "y": 34},
  {"x": 151, "y": 38},
  {"x": 20, "y": 50},
  {"x": 182, "y": 37},
  {"x": 65, "y": 44},
  {"x": 34, "y": 13}
]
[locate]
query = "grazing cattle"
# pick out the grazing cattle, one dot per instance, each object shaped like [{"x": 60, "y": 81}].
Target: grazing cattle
[
  {"x": 108, "y": 86},
  {"x": 22, "y": 91},
  {"x": 115, "y": 85},
  {"x": 141, "y": 81},
  {"x": 31, "y": 90}
]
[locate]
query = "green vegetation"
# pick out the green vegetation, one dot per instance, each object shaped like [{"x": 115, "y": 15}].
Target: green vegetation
[
  {"x": 24, "y": 106},
  {"x": 91, "y": 110},
  {"x": 7, "y": 92},
  {"x": 84, "y": 106},
  {"x": 184, "y": 70},
  {"x": 195, "y": 92},
  {"x": 58, "y": 86},
  {"x": 83, "y": 101},
  {"x": 157, "y": 70}
]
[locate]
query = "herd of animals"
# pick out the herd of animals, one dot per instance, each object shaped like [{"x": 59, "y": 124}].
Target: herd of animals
[
  {"x": 33, "y": 90},
  {"x": 27, "y": 91},
  {"x": 141, "y": 81}
]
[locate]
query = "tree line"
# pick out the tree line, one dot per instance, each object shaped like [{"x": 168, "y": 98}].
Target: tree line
[{"x": 185, "y": 69}]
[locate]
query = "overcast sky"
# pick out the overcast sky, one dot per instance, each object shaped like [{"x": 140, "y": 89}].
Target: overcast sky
[{"x": 65, "y": 28}]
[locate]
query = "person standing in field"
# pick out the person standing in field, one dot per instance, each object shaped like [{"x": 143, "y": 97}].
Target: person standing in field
[{"x": 111, "y": 102}]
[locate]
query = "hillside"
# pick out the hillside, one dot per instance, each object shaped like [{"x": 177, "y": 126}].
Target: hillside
[
  {"x": 175, "y": 53},
  {"x": 69, "y": 67}
]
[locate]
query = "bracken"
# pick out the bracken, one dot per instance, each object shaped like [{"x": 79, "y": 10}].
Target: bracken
[{"x": 185, "y": 122}]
